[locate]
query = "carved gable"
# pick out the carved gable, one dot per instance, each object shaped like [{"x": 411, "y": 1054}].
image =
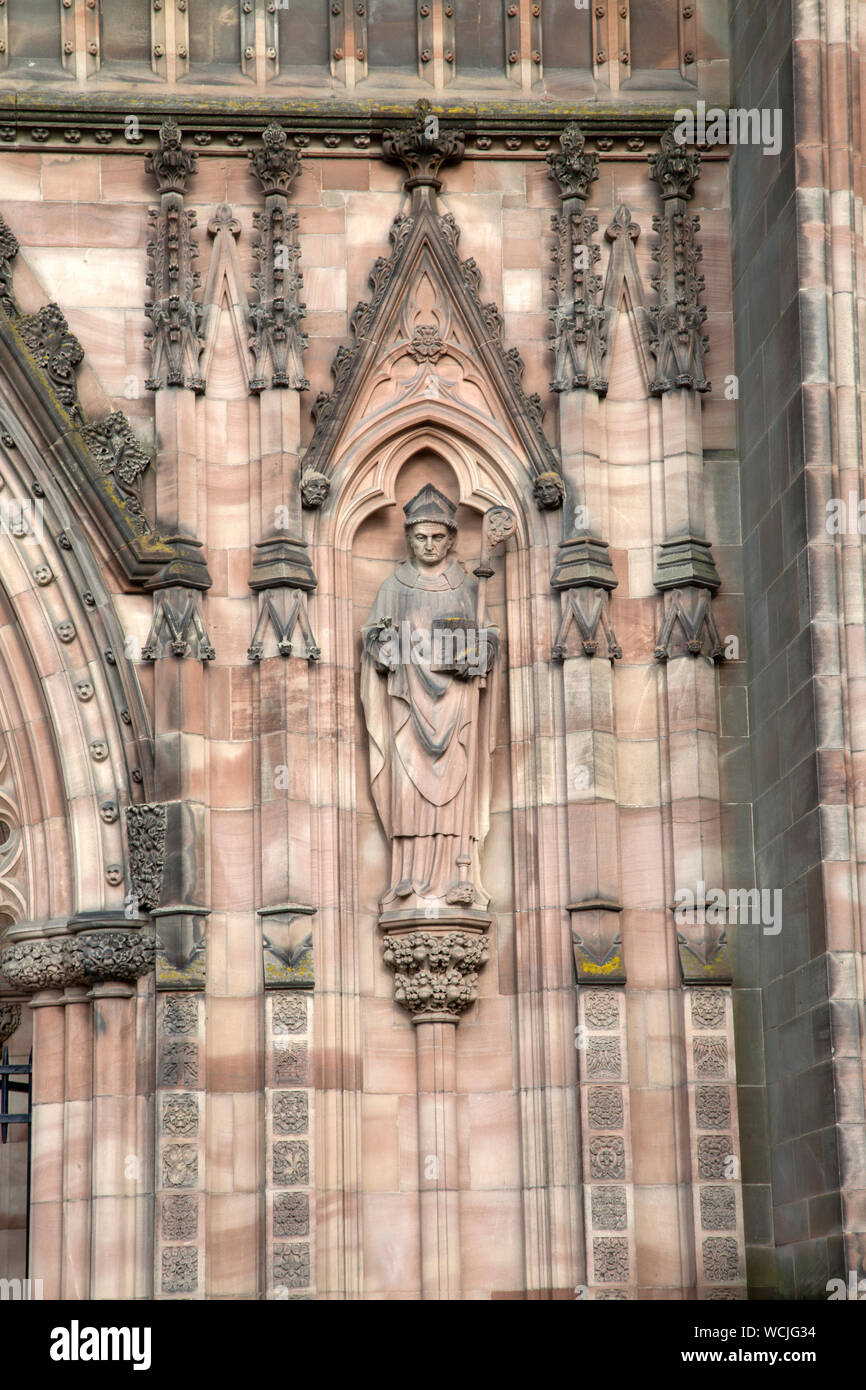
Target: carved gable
[{"x": 427, "y": 337}]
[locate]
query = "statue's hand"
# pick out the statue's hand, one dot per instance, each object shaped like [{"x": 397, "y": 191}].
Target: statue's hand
[{"x": 382, "y": 648}]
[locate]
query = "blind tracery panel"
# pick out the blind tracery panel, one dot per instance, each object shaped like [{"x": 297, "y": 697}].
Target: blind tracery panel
[
  {"x": 34, "y": 33},
  {"x": 125, "y": 31},
  {"x": 302, "y": 34},
  {"x": 392, "y": 34},
  {"x": 479, "y": 34}
]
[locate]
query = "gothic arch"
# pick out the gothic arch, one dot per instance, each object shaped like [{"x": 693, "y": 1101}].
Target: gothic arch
[{"x": 71, "y": 707}]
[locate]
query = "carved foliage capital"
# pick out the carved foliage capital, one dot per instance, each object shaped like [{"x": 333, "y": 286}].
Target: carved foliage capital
[
  {"x": 570, "y": 166},
  {"x": 171, "y": 165},
  {"x": 77, "y": 960},
  {"x": 674, "y": 169},
  {"x": 436, "y": 973},
  {"x": 422, "y": 147},
  {"x": 275, "y": 165}
]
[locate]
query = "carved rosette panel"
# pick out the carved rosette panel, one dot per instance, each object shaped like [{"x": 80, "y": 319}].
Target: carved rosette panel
[
  {"x": 606, "y": 1139},
  {"x": 716, "y": 1188},
  {"x": 436, "y": 973},
  {"x": 289, "y": 1136},
  {"x": 181, "y": 1156}
]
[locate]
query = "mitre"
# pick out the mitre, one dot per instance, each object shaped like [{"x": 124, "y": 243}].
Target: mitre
[{"x": 432, "y": 506}]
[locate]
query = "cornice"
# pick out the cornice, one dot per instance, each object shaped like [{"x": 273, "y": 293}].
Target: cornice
[{"x": 100, "y": 123}]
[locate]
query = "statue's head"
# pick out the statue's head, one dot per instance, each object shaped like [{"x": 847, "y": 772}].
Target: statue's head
[
  {"x": 429, "y": 542},
  {"x": 430, "y": 526}
]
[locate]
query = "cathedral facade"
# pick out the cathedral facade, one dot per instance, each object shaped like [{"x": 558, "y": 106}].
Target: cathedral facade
[{"x": 431, "y": 644}]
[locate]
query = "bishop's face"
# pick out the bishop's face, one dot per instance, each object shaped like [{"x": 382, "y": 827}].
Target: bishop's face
[{"x": 429, "y": 545}]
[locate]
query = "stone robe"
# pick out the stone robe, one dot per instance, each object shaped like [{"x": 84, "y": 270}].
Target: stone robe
[{"x": 422, "y": 726}]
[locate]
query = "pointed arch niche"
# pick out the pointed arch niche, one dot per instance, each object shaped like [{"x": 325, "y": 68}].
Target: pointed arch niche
[{"x": 502, "y": 1053}]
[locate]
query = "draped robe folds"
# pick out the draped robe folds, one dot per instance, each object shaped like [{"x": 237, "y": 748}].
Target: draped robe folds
[{"x": 419, "y": 723}]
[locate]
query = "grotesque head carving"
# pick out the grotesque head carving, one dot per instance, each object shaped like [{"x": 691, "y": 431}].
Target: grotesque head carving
[
  {"x": 314, "y": 488},
  {"x": 549, "y": 491}
]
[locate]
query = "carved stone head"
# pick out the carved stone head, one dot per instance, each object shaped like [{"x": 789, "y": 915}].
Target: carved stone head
[
  {"x": 315, "y": 488},
  {"x": 549, "y": 491}
]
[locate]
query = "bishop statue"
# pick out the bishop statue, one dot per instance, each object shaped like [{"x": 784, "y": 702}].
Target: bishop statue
[{"x": 428, "y": 651}]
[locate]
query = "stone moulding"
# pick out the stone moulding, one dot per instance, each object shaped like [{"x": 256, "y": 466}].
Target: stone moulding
[
  {"x": 689, "y": 628},
  {"x": 284, "y": 630},
  {"x": 287, "y": 946},
  {"x": 101, "y": 122},
  {"x": 101, "y": 462},
  {"x": 586, "y": 608},
  {"x": 597, "y": 942}
]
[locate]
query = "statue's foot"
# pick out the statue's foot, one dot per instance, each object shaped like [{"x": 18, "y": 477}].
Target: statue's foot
[
  {"x": 462, "y": 894},
  {"x": 403, "y": 889}
]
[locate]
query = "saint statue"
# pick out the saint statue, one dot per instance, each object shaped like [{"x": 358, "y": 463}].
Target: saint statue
[{"x": 428, "y": 650}]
